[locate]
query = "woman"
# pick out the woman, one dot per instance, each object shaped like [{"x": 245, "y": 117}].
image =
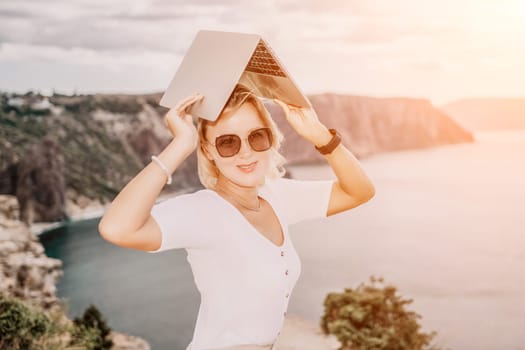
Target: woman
[{"x": 235, "y": 231}]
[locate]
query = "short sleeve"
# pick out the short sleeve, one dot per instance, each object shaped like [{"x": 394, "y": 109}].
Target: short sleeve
[
  {"x": 303, "y": 199},
  {"x": 180, "y": 222}
]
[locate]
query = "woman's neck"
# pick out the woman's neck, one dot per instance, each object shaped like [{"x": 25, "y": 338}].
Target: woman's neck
[{"x": 245, "y": 195}]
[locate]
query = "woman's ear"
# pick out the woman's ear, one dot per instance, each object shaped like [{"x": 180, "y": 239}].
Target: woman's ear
[{"x": 206, "y": 152}]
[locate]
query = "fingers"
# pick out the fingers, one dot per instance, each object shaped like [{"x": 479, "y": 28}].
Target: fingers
[
  {"x": 283, "y": 106},
  {"x": 188, "y": 118},
  {"x": 288, "y": 108},
  {"x": 187, "y": 102},
  {"x": 180, "y": 108},
  {"x": 279, "y": 102}
]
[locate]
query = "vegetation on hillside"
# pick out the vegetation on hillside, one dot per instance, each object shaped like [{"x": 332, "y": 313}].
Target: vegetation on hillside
[
  {"x": 98, "y": 164},
  {"x": 25, "y": 326}
]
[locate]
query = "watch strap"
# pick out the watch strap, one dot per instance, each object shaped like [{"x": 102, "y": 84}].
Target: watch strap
[{"x": 332, "y": 144}]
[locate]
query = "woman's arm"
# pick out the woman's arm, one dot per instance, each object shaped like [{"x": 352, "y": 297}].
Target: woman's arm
[
  {"x": 128, "y": 221},
  {"x": 130, "y": 210},
  {"x": 353, "y": 187}
]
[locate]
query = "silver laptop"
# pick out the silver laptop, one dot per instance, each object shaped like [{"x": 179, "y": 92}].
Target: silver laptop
[{"x": 216, "y": 61}]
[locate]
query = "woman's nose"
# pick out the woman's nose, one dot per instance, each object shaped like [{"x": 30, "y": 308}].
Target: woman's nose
[{"x": 246, "y": 149}]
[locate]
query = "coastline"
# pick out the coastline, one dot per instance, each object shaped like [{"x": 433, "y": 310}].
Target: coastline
[
  {"x": 89, "y": 212},
  {"x": 76, "y": 214}
]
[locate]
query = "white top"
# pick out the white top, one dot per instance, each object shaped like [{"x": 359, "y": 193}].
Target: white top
[{"x": 244, "y": 279}]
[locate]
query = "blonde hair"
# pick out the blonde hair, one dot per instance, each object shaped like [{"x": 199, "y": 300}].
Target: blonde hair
[{"x": 207, "y": 171}]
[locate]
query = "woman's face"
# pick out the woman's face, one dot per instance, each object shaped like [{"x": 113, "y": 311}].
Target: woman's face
[{"x": 240, "y": 123}]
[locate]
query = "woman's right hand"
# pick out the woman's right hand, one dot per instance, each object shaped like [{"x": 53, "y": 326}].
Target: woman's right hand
[{"x": 180, "y": 123}]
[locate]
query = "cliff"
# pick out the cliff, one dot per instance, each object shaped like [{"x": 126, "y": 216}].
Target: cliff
[
  {"x": 371, "y": 125},
  {"x": 89, "y": 146}
]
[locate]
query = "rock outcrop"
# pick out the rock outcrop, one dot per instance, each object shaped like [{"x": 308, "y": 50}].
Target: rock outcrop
[
  {"x": 371, "y": 125},
  {"x": 29, "y": 275},
  {"x": 40, "y": 185},
  {"x": 26, "y": 271}
]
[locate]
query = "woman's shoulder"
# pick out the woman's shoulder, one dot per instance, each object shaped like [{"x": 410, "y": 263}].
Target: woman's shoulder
[
  {"x": 188, "y": 198},
  {"x": 275, "y": 182},
  {"x": 297, "y": 189},
  {"x": 274, "y": 186}
]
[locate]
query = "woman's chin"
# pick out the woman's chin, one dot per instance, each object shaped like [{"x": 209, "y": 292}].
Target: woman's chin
[
  {"x": 252, "y": 182},
  {"x": 249, "y": 179}
]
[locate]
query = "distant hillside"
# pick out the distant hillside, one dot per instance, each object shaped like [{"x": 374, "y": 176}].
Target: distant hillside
[
  {"x": 90, "y": 146},
  {"x": 370, "y": 125},
  {"x": 488, "y": 113}
]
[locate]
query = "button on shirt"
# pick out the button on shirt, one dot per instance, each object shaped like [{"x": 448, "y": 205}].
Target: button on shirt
[{"x": 245, "y": 280}]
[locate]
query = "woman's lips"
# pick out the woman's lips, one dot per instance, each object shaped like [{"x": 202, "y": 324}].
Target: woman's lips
[{"x": 247, "y": 168}]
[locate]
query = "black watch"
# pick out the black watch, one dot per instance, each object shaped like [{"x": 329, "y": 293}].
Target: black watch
[{"x": 332, "y": 144}]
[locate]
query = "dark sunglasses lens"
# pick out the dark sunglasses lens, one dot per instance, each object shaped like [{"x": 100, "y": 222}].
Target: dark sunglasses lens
[
  {"x": 260, "y": 139},
  {"x": 228, "y": 145}
]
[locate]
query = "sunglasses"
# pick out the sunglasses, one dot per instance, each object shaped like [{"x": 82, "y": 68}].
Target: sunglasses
[{"x": 228, "y": 145}]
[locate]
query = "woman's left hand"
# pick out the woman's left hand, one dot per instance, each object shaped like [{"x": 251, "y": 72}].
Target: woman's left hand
[{"x": 306, "y": 123}]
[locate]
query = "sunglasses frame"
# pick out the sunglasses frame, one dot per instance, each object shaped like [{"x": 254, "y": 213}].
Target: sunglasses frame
[{"x": 269, "y": 132}]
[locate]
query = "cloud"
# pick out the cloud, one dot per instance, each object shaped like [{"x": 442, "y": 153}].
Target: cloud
[
  {"x": 14, "y": 13},
  {"x": 171, "y": 25},
  {"x": 366, "y": 45},
  {"x": 109, "y": 60},
  {"x": 425, "y": 65},
  {"x": 111, "y": 28}
]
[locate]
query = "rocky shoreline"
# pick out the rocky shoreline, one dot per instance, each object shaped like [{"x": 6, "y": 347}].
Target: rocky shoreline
[{"x": 30, "y": 275}]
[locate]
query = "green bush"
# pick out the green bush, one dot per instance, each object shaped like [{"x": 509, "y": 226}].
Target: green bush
[
  {"x": 20, "y": 326},
  {"x": 92, "y": 319},
  {"x": 118, "y": 104},
  {"x": 80, "y": 106},
  {"x": 26, "y": 327},
  {"x": 373, "y": 318}
]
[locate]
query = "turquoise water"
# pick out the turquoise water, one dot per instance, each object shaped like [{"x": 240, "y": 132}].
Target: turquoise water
[{"x": 147, "y": 295}]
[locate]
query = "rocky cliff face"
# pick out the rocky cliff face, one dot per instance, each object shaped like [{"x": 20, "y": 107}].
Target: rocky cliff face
[
  {"x": 29, "y": 275},
  {"x": 373, "y": 125},
  {"x": 84, "y": 147},
  {"x": 90, "y": 146}
]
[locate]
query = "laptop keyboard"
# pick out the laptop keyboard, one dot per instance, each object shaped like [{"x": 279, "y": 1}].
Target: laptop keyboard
[{"x": 262, "y": 62}]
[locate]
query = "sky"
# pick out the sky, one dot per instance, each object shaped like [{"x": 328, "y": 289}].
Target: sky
[{"x": 438, "y": 50}]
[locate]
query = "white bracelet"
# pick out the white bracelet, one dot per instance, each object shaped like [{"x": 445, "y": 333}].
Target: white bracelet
[{"x": 164, "y": 168}]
